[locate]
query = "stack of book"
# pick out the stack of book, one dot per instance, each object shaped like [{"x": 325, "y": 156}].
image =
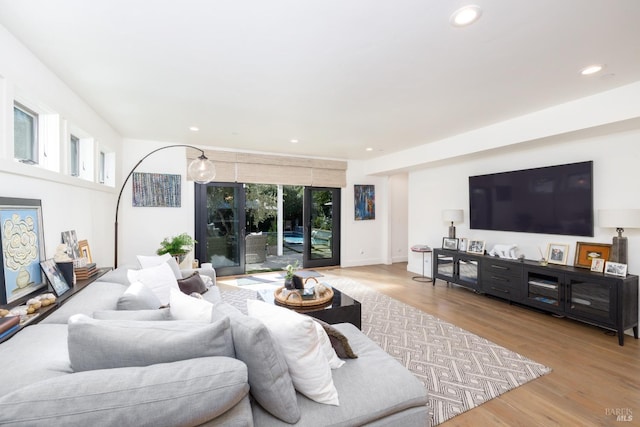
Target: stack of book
[
  {"x": 8, "y": 325},
  {"x": 85, "y": 272}
]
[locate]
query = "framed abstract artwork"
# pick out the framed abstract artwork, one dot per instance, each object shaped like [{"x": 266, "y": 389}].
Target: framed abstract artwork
[
  {"x": 156, "y": 190},
  {"x": 22, "y": 236},
  {"x": 364, "y": 202}
]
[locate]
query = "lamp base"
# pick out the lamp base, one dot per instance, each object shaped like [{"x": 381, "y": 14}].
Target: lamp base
[
  {"x": 452, "y": 232},
  {"x": 619, "y": 250}
]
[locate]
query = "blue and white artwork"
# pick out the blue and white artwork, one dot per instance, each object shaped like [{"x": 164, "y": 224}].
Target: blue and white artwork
[{"x": 364, "y": 201}]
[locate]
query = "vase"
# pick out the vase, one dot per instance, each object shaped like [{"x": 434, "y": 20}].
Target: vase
[{"x": 288, "y": 283}]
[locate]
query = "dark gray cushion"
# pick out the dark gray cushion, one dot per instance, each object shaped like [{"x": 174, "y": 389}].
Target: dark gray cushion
[
  {"x": 192, "y": 283},
  {"x": 271, "y": 385},
  {"x": 189, "y": 392},
  {"x": 339, "y": 341},
  {"x": 138, "y": 297},
  {"x": 102, "y": 344},
  {"x": 158, "y": 314}
]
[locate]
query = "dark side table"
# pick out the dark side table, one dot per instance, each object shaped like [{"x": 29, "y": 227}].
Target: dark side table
[{"x": 423, "y": 249}]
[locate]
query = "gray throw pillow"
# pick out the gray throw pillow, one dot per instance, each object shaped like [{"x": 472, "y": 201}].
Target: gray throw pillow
[
  {"x": 188, "y": 392},
  {"x": 192, "y": 283},
  {"x": 271, "y": 385},
  {"x": 161, "y": 314},
  {"x": 103, "y": 344},
  {"x": 138, "y": 297}
]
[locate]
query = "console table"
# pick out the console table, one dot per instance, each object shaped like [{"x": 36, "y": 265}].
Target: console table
[
  {"x": 610, "y": 302},
  {"x": 43, "y": 312}
]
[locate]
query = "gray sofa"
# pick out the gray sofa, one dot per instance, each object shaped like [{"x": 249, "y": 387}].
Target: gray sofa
[{"x": 205, "y": 384}]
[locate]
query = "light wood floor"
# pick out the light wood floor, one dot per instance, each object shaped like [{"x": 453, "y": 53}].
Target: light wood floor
[{"x": 592, "y": 375}]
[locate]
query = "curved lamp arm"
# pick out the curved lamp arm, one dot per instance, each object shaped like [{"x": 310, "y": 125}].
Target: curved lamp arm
[{"x": 203, "y": 169}]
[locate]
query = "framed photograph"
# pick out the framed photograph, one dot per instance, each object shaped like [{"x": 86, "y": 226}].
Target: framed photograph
[
  {"x": 476, "y": 247},
  {"x": 462, "y": 244},
  {"x": 55, "y": 277},
  {"x": 557, "y": 253},
  {"x": 85, "y": 251},
  {"x": 70, "y": 239},
  {"x": 22, "y": 236},
  {"x": 587, "y": 252},
  {"x": 597, "y": 265},
  {"x": 615, "y": 269},
  {"x": 450, "y": 243}
]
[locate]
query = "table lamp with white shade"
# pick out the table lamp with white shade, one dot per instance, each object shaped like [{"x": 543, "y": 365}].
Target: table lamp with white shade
[
  {"x": 619, "y": 219},
  {"x": 453, "y": 216}
]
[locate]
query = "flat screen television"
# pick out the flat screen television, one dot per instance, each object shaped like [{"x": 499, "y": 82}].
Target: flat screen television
[{"x": 548, "y": 200}]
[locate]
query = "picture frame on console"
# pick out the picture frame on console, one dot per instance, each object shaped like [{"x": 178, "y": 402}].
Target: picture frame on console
[
  {"x": 55, "y": 277},
  {"x": 615, "y": 269},
  {"x": 450, "y": 243},
  {"x": 597, "y": 265},
  {"x": 557, "y": 253},
  {"x": 476, "y": 247},
  {"x": 586, "y": 252},
  {"x": 462, "y": 244},
  {"x": 85, "y": 251},
  {"x": 22, "y": 238}
]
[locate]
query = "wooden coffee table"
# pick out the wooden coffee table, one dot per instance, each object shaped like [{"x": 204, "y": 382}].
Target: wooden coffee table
[{"x": 341, "y": 309}]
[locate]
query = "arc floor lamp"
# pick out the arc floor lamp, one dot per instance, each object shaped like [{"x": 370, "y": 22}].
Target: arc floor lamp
[{"x": 201, "y": 170}]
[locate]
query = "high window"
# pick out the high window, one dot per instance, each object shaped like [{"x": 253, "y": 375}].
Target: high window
[
  {"x": 74, "y": 156},
  {"x": 25, "y": 134}
]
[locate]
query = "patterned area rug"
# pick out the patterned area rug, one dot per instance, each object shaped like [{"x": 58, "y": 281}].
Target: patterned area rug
[{"x": 459, "y": 369}]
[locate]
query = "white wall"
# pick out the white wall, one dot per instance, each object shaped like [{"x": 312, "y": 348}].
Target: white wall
[
  {"x": 67, "y": 203},
  {"x": 399, "y": 216},
  {"x": 141, "y": 229}
]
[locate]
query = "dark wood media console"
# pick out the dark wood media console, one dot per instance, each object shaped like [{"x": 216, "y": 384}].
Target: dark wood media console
[{"x": 609, "y": 302}]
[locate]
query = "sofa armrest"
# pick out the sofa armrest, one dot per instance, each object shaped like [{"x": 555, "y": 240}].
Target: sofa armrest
[{"x": 152, "y": 395}]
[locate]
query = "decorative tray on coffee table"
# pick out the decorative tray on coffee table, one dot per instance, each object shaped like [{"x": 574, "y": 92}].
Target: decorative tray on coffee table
[{"x": 293, "y": 298}]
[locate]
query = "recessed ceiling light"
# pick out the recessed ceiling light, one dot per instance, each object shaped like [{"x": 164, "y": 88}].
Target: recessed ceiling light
[
  {"x": 465, "y": 16},
  {"x": 194, "y": 128},
  {"x": 293, "y": 141},
  {"x": 369, "y": 149},
  {"x": 591, "y": 69}
]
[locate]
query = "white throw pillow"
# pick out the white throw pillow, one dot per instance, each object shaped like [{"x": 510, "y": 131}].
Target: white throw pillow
[
  {"x": 159, "y": 279},
  {"x": 154, "y": 260},
  {"x": 298, "y": 339},
  {"x": 185, "y": 307}
]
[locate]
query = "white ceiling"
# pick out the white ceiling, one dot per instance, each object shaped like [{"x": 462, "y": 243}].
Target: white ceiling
[{"x": 338, "y": 75}]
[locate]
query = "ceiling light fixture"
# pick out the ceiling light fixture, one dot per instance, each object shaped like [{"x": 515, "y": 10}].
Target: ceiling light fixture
[
  {"x": 194, "y": 128},
  {"x": 294, "y": 141},
  {"x": 369, "y": 149},
  {"x": 591, "y": 69},
  {"x": 466, "y": 15}
]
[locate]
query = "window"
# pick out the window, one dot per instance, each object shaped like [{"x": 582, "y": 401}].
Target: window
[
  {"x": 74, "y": 156},
  {"x": 25, "y": 134},
  {"x": 102, "y": 168}
]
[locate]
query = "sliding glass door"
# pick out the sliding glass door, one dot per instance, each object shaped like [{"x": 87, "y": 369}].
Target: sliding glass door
[
  {"x": 220, "y": 226},
  {"x": 322, "y": 227}
]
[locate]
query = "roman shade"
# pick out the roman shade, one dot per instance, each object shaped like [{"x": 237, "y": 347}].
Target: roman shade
[{"x": 271, "y": 169}]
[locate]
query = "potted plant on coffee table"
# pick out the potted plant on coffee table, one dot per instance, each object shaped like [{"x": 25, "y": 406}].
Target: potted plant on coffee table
[
  {"x": 177, "y": 246},
  {"x": 290, "y": 271}
]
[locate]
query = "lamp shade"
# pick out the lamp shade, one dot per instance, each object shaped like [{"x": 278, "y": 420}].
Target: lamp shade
[
  {"x": 452, "y": 215},
  {"x": 619, "y": 218},
  {"x": 202, "y": 170}
]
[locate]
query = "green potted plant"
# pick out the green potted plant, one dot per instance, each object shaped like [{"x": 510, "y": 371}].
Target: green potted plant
[
  {"x": 177, "y": 246},
  {"x": 290, "y": 270}
]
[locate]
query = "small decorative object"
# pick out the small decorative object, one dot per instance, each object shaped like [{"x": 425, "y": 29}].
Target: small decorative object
[
  {"x": 504, "y": 251},
  {"x": 597, "y": 265},
  {"x": 177, "y": 246},
  {"x": 321, "y": 289},
  {"x": 615, "y": 268},
  {"x": 476, "y": 247},
  {"x": 543, "y": 261},
  {"x": 85, "y": 251},
  {"x": 586, "y": 252},
  {"x": 450, "y": 243},
  {"x": 53, "y": 273},
  {"x": 557, "y": 253},
  {"x": 288, "y": 276},
  {"x": 462, "y": 244}
]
